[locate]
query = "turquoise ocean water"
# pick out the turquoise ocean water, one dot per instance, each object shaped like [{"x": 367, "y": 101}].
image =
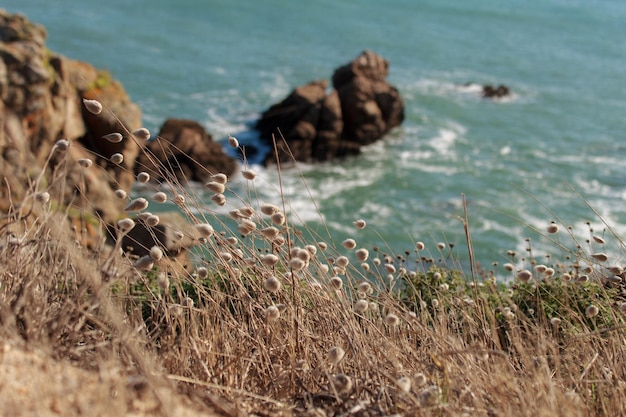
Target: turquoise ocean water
[{"x": 517, "y": 161}]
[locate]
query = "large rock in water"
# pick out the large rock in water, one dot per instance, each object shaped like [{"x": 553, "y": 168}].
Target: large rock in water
[
  {"x": 318, "y": 126},
  {"x": 41, "y": 102},
  {"x": 184, "y": 151}
]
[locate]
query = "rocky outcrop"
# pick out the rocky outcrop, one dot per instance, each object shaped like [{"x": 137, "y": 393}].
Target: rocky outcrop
[
  {"x": 316, "y": 126},
  {"x": 498, "y": 92},
  {"x": 186, "y": 152},
  {"x": 41, "y": 102}
]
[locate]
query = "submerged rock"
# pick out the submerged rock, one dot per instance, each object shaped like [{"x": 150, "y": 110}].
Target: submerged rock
[
  {"x": 318, "y": 125},
  {"x": 500, "y": 91}
]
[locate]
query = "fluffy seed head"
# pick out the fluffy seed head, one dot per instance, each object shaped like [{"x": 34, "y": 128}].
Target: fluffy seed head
[
  {"x": 145, "y": 262},
  {"x": 142, "y": 133},
  {"x": 117, "y": 158},
  {"x": 420, "y": 379},
  {"x": 179, "y": 199},
  {"x": 178, "y": 235},
  {"x": 270, "y": 232},
  {"x": 215, "y": 186},
  {"x": 349, "y": 243},
  {"x": 269, "y": 209},
  {"x": 232, "y": 240},
  {"x": 92, "y": 106},
  {"x": 311, "y": 249},
  {"x": 188, "y": 302},
  {"x": 205, "y": 229},
  {"x": 121, "y": 194},
  {"x": 362, "y": 254},
  {"x": 233, "y": 142},
  {"x": 248, "y": 174},
  {"x": 365, "y": 266},
  {"x": 114, "y": 137},
  {"x": 419, "y": 246},
  {"x": 392, "y": 320},
  {"x": 359, "y": 224},
  {"x": 336, "y": 283},
  {"x": 247, "y": 212},
  {"x": 365, "y": 288},
  {"x": 524, "y": 275},
  {"x": 163, "y": 282},
  {"x": 622, "y": 307},
  {"x": 335, "y": 355},
  {"x": 272, "y": 284},
  {"x": 540, "y": 269},
  {"x": 156, "y": 253},
  {"x": 552, "y": 228},
  {"x": 219, "y": 199},
  {"x": 143, "y": 177},
  {"x": 42, "y": 197},
  {"x": 297, "y": 264},
  {"x": 592, "y": 311},
  {"x": 303, "y": 254},
  {"x": 404, "y": 383},
  {"x": 435, "y": 303},
  {"x": 159, "y": 197},
  {"x": 152, "y": 220},
  {"x": 602, "y": 257},
  {"x": 390, "y": 269},
  {"x": 269, "y": 260},
  {"x": 125, "y": 225},
  {"x": 342, "y": 383},
  {"x": 62, "y": 145},
  {"x": 220, "y": 178},
  {"x": 342, "y": 261},
  {"x": 361, "y": 306},
  {"x": 278, "y": 218},
  {"x": 598, "y": 239},
  {"x": 509, "y": 266},
  {"x": 322, "y": 245},
  {"x": 246, "y": 227},
  {"x": 138, "y": 204},
  {"x": 555, "y": 321},
  {"x": 271, "y": 313},
  {"x": 85, "y": 162},
  {"x": 441, "y": 246},
  {"x": 202, "y": 272}
]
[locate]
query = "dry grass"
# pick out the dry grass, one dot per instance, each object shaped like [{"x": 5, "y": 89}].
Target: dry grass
[{"x": 247, "y": 333}]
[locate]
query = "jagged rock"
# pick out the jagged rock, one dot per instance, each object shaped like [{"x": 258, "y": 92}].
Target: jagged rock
[
  {"x": 41, "y": 102},
  {"x": 371, "y": 107},
  {"x": 185, "y": 151},
  {"x": 298, "y": 119},
  {"x": 317, "y": 126}
]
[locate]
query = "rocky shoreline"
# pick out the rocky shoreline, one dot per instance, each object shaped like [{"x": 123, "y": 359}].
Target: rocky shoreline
[{"x": 42, "y": 94}]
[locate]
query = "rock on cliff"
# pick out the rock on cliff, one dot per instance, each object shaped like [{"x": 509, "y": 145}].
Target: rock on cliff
[
  {"x": 41, "y": 102},
  {"x": 319, "y": 126}
]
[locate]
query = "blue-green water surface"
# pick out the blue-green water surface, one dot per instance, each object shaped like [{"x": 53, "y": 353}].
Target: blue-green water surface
[{"x": 516, "y": 161}]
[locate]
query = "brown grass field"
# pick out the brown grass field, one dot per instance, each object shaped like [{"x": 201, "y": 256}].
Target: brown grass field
[{"x": 269, "y": 322}]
